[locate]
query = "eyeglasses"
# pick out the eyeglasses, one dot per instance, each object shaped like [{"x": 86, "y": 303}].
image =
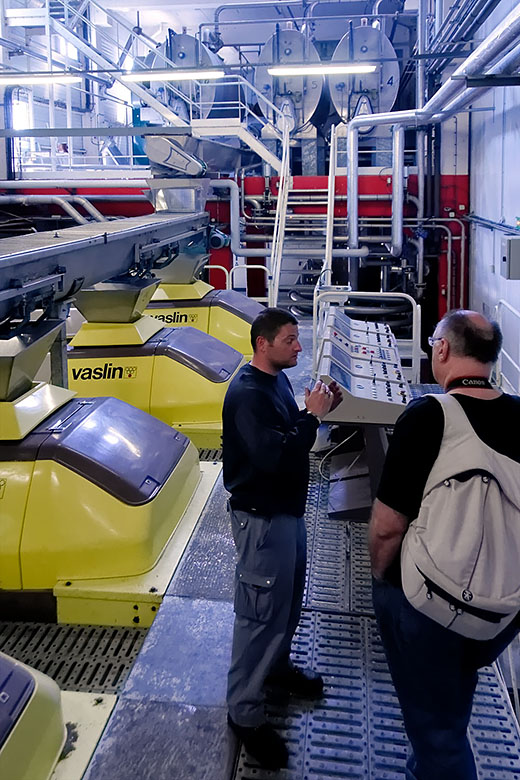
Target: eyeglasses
[{"x": 433, "y": 339}]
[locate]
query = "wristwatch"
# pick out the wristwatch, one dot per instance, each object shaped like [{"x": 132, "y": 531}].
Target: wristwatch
[{"x": 313, "y": 414}]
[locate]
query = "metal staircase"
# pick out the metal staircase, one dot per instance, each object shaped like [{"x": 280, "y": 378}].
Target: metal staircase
[
  {"x": 71, "y": 21},
  {"x": 305, "y": 261}
]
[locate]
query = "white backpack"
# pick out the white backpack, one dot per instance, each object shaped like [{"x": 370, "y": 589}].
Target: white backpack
[{"x": 460, "y": 559}]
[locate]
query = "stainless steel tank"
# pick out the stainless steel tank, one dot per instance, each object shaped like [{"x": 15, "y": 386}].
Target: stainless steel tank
[
  {"x": 367, "y": 93},
  {"x": 214, "y": 99},
  {"x": 302, "y": 99}
]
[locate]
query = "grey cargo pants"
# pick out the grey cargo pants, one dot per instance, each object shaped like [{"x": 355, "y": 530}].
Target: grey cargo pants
[{"x": 269, "y": 585}]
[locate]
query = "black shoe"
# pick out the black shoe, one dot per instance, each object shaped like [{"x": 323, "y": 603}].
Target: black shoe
[
  {"x": 301, "y": 683},
  {"x": 262, "y": 743}
]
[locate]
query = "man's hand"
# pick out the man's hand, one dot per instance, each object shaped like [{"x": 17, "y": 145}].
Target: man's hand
[
  {"x": 319, "y": 400},
  {"x": 337, "y": 395}
]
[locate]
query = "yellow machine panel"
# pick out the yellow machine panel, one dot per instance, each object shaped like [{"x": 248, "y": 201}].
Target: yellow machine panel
[
  {"x": 180, "y": 376},
  {"x": 225, "y": 314},
  {"x": 126, "y": 378},
  {"x": 188, "y": 402},
  {"x": 32, "y": 732},
  {"x": 235, "y": 331},
  {"x": 15, "y": 481},
  {"x": 92, "y": 494},
  {"x": 56, "y": 546},
  {"x": 197, "y": 317}
]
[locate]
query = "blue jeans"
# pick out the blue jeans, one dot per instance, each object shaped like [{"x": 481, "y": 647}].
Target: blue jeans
[
  {"x": 269, "y": 586},
  {"x": 435, "y": 673}
]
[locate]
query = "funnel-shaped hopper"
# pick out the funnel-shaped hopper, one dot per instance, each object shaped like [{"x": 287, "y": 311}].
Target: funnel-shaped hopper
[
  {"x": 21, "y": 357},
  {"x": 116, "y": 301}
]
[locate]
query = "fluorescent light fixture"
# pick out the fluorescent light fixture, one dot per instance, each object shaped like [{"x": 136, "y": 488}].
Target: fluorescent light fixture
[
  {"x": 172, "y": 74},
  {"x": 319, "y": 70},
  {"x": 32, "y": 79}
]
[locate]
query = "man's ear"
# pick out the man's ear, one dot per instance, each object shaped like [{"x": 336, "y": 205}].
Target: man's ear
[
  {"x": 260, "y": 343},
  {"x": 444, "y": 350}
]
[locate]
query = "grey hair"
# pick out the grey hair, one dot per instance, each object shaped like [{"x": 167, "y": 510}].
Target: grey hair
[{"x": 468, "y": 339}]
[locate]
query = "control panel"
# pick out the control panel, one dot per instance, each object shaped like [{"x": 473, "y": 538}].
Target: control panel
[
  {"x": 341, "y": 319},
  {"x": 374, "y": 352},
  {"x": 364, "y": 367},
  {"x": 366, "y": 364}
]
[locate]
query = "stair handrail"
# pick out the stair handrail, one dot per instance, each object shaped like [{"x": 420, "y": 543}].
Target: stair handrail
[
  {"x": 131, "y": 32},
  {"x": 280, "y": 217},
  {"x": 243, "y": 108},
  {"x": 194, "y": 98}
]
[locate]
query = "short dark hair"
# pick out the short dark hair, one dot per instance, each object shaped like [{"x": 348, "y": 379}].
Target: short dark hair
[
  {"x": 268, "y": 323},
  {"x": 468, "y": 339}
]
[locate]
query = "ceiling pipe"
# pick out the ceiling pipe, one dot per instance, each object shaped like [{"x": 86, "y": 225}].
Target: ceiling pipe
[
  {"x": 497, "y": 41},
  {"x": 507, "y": 65}
]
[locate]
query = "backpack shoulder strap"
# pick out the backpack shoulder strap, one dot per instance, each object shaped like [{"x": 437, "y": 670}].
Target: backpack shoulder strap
[
  {"x": 456, "y": 423},
  {"x": 460, "y": 448},
  {"x": 454, "y": 415}
]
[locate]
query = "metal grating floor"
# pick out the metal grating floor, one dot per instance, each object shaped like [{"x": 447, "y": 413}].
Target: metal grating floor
[
  {"x": 212, "y": 455},
  {"x": 356, "y": 731},
  {"x": 90, "y": 659}
]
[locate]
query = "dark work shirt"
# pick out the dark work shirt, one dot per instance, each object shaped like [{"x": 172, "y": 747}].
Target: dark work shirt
[
  {"x": 266, "y": 444},
  {"x": 416, "y": 442}
]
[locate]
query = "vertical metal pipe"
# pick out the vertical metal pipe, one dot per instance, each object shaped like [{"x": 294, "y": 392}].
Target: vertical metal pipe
[
  {"x": 329, "y": 238},
  {"x": 421, "y": 136},
  {"x": 397, "y": 190},
  {"x": 352, "y": 185},
  {"x": 420, "y": 84},
  {"x": 50, "y": 88}
]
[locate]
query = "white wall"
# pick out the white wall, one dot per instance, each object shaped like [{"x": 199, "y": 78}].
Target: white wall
[{"x": 495, "y": 194}]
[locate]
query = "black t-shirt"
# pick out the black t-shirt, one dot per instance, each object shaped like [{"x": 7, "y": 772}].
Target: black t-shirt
[
  {"x": 416, "y": 442},
  {"x": 266, "y": 444}
]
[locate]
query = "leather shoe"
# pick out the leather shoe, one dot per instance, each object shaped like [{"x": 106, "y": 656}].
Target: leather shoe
[
  {"x": 301, "y": 683},
  {"x": 263, "y": 743}
]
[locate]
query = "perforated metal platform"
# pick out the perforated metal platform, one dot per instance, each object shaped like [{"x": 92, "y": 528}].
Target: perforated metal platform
[
  {"x": 78, "y": 658},
  {"x": 211, "y": 455},
  {"x": 356, "y": 731}
]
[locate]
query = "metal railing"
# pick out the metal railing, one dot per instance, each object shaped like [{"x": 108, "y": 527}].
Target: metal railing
[
  {"x": 507, "y": 369},
  {"x": 253, "y": 267},
  {"x": 281, "y": 213}
]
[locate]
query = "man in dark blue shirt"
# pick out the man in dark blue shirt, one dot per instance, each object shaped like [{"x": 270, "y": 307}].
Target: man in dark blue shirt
[{"x": 266, "y": 444}]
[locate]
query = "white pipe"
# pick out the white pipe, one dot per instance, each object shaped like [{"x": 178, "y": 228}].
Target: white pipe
[
  {"x": 98, "y": 184},
  {"x": 28, "y": 200},
  {"x": 86, "y": 204},
  {"x": 499, "y": 40},
  {"x": 496, "y": 43},
  {"x": 234, "y": 209},
  {"x": 240, "y": 251},
  {"x": 397, "y": 190},
  {"x": 329, "y": 236}
]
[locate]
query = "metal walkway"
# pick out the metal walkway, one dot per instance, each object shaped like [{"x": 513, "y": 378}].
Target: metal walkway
[
  {"x": 169, "y": 721},
  {"x": 356, "y": 731}
]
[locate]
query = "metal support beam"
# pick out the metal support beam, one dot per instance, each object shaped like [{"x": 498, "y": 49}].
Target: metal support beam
[{"x": 95, "y": 131}]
